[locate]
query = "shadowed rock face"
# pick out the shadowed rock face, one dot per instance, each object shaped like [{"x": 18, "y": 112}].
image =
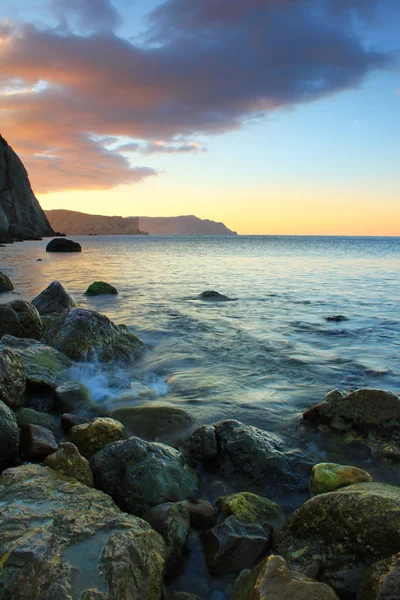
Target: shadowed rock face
[{"x": 20, "y": 213}]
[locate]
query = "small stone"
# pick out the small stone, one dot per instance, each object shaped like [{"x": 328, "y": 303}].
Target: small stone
[
  {"x": 29, "y": 416},
  {"x": 98, "y": 288},
  {"x": 37, "y": 442},
  {"x": 214, "y": 296},
  {"x": 250, "y": 508},
  {"x": 73, "y": 395},
  {"x": 69, "y": 420},
  {"x": 63, "y": 245},
  {"x": 172, "y": 521},
  {"x": 94, "y": 436},
  {"x": 68, "y": 461},
  {"x": 327, "y": 477},
  {"x": 12, "y": 378},
  {"x": 9, "y": 437},
  {"x": 202, "y": 513},
  {"x": 202, "y": 444},
  {"x": 5, "y": 284}
]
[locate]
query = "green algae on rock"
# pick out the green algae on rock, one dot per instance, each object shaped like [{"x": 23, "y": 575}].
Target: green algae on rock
[
  {"x": 5, "y": 284},
  {"x": 250, "y": 508},
  {"x": 94, "y": 436},
  {"x": 98, "y": 288},
  {"x": 327, "y": 477},
  {"x": 272, "y": 580},
  {"x": 62, "y": 540}
]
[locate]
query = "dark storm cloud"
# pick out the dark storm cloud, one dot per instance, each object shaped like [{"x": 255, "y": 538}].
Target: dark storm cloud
[{"x": 208, "y": 67}]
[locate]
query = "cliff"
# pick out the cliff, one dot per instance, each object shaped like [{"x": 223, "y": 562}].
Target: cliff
[
  {"x": 21, "y": 216},
  {"x": 77, "y": 223},
  {"x": 185, "y": 225}
]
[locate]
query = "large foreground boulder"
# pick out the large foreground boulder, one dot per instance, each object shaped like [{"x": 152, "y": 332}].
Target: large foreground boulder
[
  {"x": 43, "y": 364},
  {"x": 346, "y": 531},
  {"x": 9, "y": 437},
  {"x": 21, "y": 319},
  {"x": 54, "y": 299},
  {"x": 141, "y": 474},
  {"x": 63, "y": 245},
  {"x": 80, "y": 332},
  {"x": 59, "y": 538},
  {"x": 12, "y": 378}
]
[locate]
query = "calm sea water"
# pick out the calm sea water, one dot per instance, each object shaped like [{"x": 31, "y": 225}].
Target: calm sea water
[{"x": 261, "y": 359}]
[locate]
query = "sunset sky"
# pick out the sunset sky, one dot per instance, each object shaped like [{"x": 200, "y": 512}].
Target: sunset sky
[{"x": 273, "y": 116}]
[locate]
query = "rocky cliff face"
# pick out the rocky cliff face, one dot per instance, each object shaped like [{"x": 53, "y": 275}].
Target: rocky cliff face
[{"x": 21, "y": 216}]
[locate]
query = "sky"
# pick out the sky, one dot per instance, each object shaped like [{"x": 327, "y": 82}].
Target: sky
[{"x": 273, "y": 116}]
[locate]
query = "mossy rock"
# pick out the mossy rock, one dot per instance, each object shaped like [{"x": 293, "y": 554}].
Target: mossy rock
[
  {"x": 29, "y": 416},
  {"x": 94, "y": 436},
  {"x": 5, "y": 283},
  {"x": 98, "y": 288},
  {"x": 250, "y": 508},
  {"x": 327, "y": 477}
]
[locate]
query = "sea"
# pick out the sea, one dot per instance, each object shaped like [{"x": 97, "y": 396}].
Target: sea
[{"x": 261, "y": 358}]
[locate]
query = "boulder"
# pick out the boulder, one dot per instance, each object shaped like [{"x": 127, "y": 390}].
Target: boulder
[
  {"x": 201, "y": 512},
  {"x": 80, "y": 332},
  {"x": 20, "y": 319},
  {"x": 12, "y": 378},
  {"x": 245, "y": 451},
  {"x": 98, "y": 288},
  {"x": 36, "y": 442},
  {"x": 54, "y": 299},
  {"x": 61, "y": 540},
  {"x": 154, "y": 423},
  {"x": 346, "y": 531},
  {"x": 364, "y": 410},
  {"x": 69, "y": 420},
  {"x": 327, "y": 477},
  {"x": 43, "y": 365},
  {"x": 336, "y": 318},
  {"x": 382, "y": 580},
  {"x": 250, "y": 508},
  {"x": 272, "y": 580},
  {"x": 172, "y": 521},
  {"x": 63, "y": 245},
  {"x": 94, "y": 436},
  {"x": 233, "y": 545},
  {"x": 213, "y": 296},
  {"x": 68, "y": 461},
  {"x": 29, "y": 416},
  {"x": 74, "y": 395},
  {"x": 141, "y": 474},
  {"x": 9, "y": 437},
  {"x": 5, "y": 284}
]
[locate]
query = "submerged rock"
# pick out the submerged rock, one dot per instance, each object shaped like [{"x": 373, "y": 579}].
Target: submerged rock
[
  {"x": 141, "y": 474},
  {"x": 327, "y": 477},
  {"x": 62, "y": 540},
  {"x": 154, "y": 423},
  {"x": 9, "y": 437},
  {"x": 43, "y": 364},
  {"x": 233, "y": 545},
  {"x": 250, "y": 508},
  {"x": 36, "y": 442},
  {"x": 63, "y": 245},
  {"x": 272, "y": 580},
  {"x": 74, "y": 395},
  {"x": 336, "y": 318},
  {"x": 365, "y": 410},
  {"x": 382, "y": 580},
  {"x": 12, "y": 378},
  {"x": 68, "y": 461},
  {"x": 20, "y": 319},
  {"x": 54, "y": 299},
  {"x": 213, "y": 296},
  {"x": 5, "y": 284},
  {"x": 346, "y": 530},
  {"x": 79, "y": 332},
  {"x": 98, "y": 288},
  {"x": 172, "y": 522},
  {"x": 94, "y": 436}
]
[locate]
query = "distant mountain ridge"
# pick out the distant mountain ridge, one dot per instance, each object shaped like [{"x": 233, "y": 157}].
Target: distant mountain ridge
[{"x": 77, "y": 223}]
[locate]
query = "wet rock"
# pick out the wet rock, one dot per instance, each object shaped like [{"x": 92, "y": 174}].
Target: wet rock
[
  {"x": 213, "y": 296},
  {"x": 327, "y": 477},
  {"x": 74, "y": 395},
  {"x": 36, "y": 442},
  {"x": 336, "y": 318},
  {"x": 382, "y": 580},
  {"x": 54, "y": 299},
  {"x": 154, "y": 423},
  {"x": 69, "y": 420},
  {"x": 245, "y": 451},
  {"x": 365, "y": 410},
  {"x": 202, "y": 513},
  {"x": 346, "y": 530},
  {"x": 68, "y": 461},
  {"x": 9, "y": 437},
  {"x": 20, "y": 319},
  {"x": 29, "y": 416},
  {"x": 98, "y": 288},
  {"x": 43, "y": 365},
  {"x": 63, "y": 245},
  {"x": 80, "y": 332},
  {"x": 12, "y": 378},
  {"x": 184, "y": 596},
  {"x": 141, "y": 474},
  {"x": 272, "y": 580},
  {"x": 94, "y": 436},
  {"x": 250, "y": 508},
  {"x": 172, "y": 521},
  {"x": 233, "y": 545},
  {"x": 62, "y": 540},
  {"x": 5, "y": 284}
]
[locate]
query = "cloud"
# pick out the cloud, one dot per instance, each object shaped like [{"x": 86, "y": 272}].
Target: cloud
[
  {"x": 85, "y": 15},
  {"x": 208, "y": 67},
  {"x": 162, "y": 147}
]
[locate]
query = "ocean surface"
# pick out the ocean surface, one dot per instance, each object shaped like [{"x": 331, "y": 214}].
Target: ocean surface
[{"x": 264, "y": 357}]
